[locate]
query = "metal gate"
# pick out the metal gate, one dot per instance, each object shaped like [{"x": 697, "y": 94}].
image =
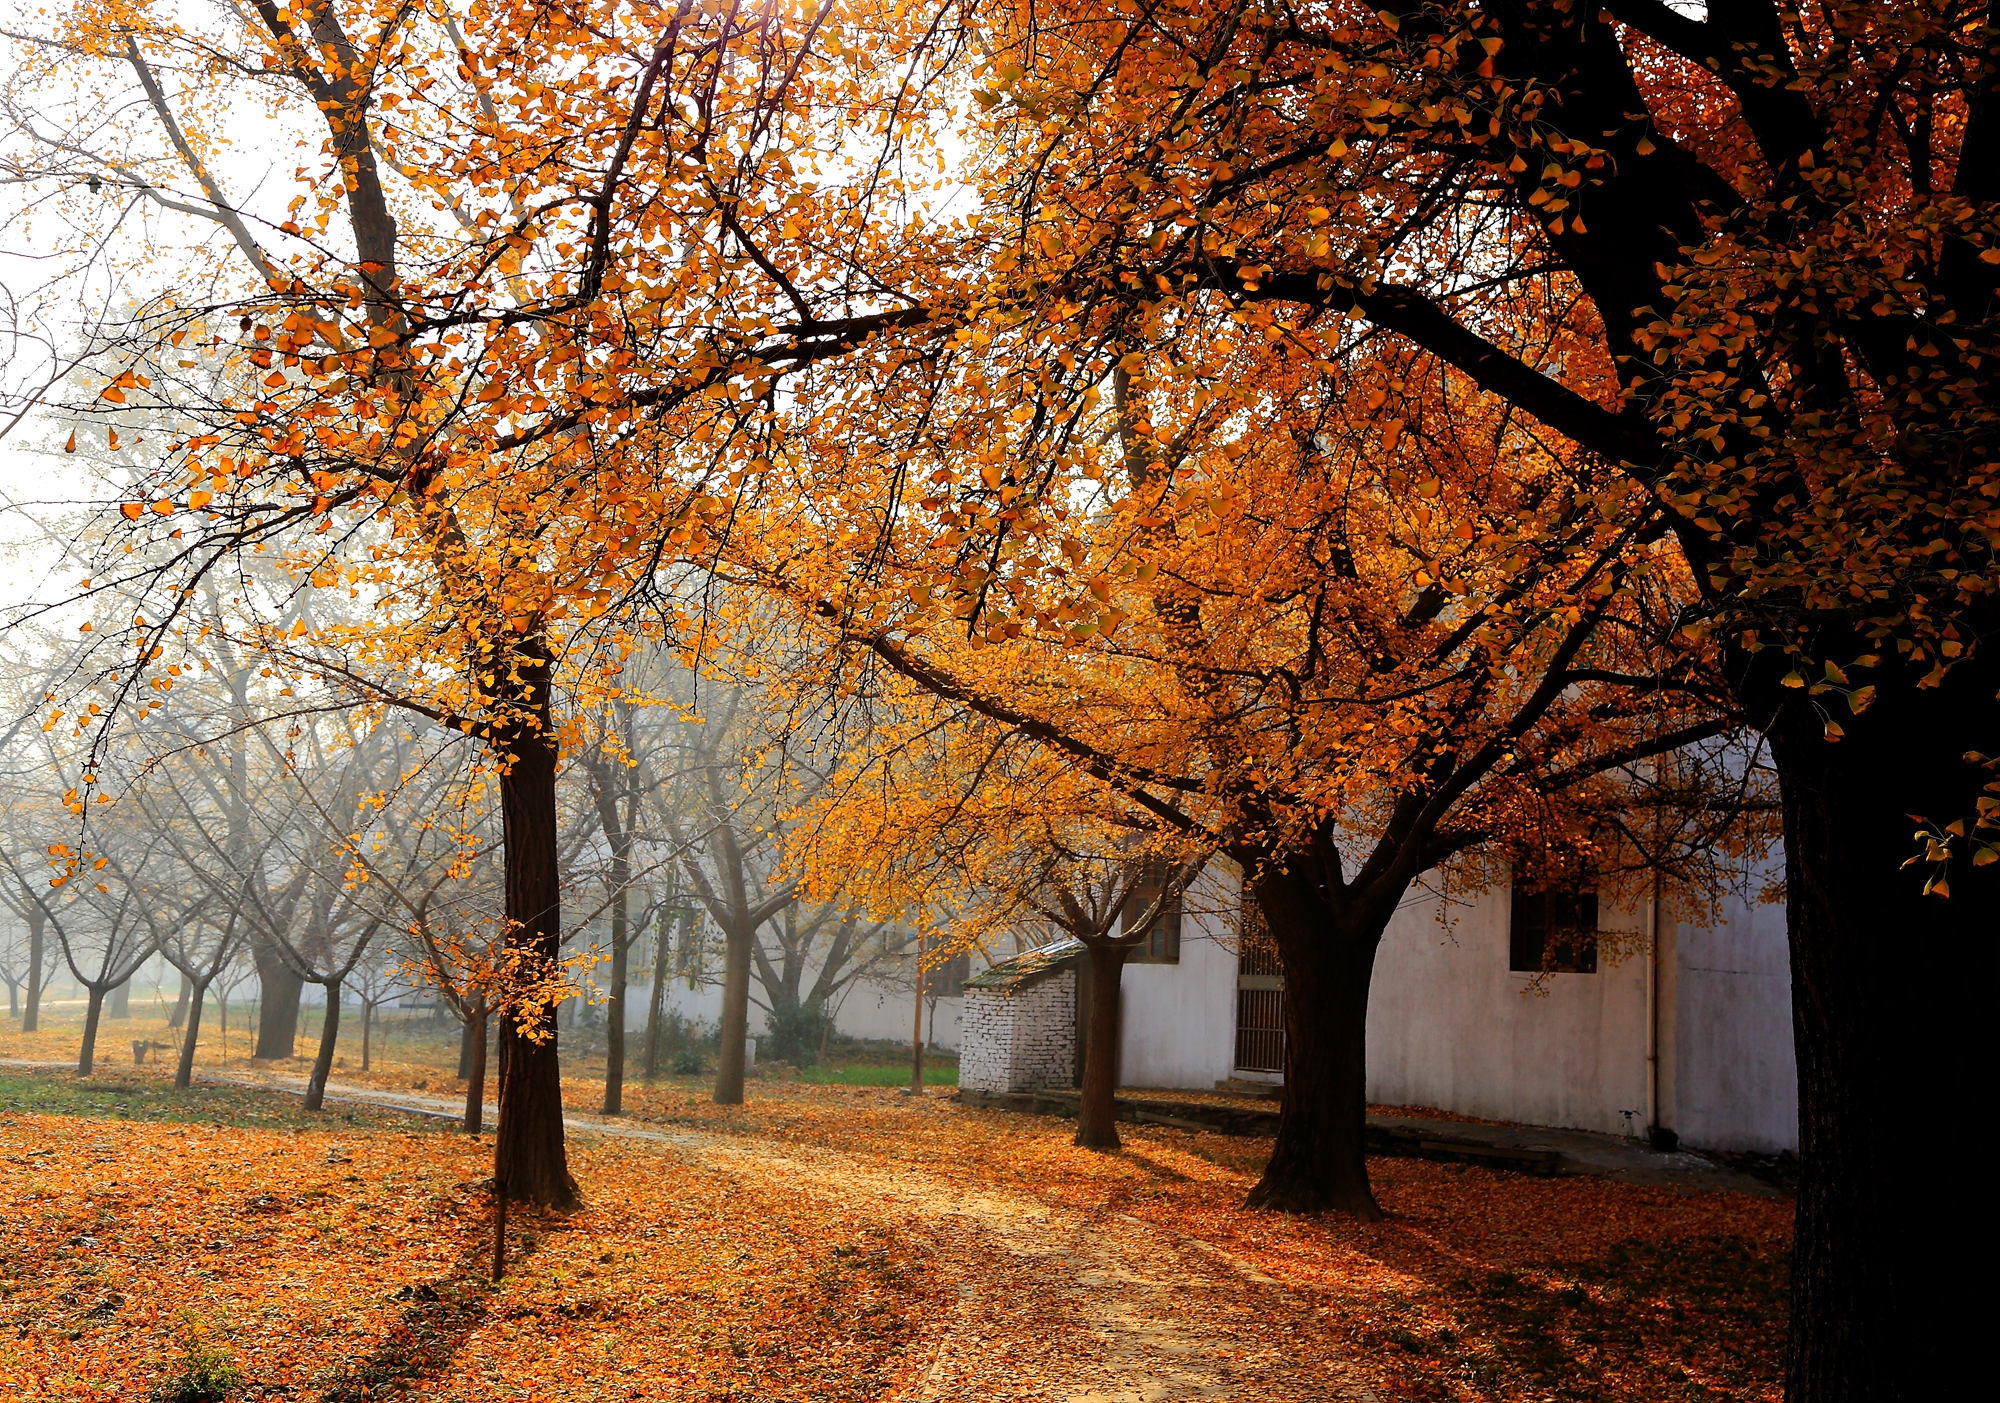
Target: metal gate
[{"x": 1260, "y": 999}]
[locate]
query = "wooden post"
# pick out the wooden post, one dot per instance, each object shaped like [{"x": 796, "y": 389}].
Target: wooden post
[{"x": 917, "y": 1027}]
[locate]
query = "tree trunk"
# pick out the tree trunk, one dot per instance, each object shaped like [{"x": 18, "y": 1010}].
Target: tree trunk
[
  {"x": 121, "y": 1000},
  {"x": 1318, "y": 1160},
  {"x": 657, "y": 1008},
  {"x": 31, "y": 1017},
  {"x": 465, "y": 1048},
  {"x": 475, "y": 1074},
  {"x": 735, "y": 1017},
  {"x": 13, "y": 998},
  {"x": 367, "y": 1028},
  {"x": 329, "y": 1032},
  {"x": 87, "y": 1058},
  {"x": 278, "y": 1007},
  {"x": 614, "y": 1008},
  {"x": 1097, "y": 1109},
  {"x": 528, "y": 1156},
  {"x": 184, "y": 1067},
  {"x": 1887, "y": 1020},
  {"x": 180, "y": 1013}
]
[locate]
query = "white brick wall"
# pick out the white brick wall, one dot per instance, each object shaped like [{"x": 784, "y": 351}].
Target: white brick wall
[{"x": 1023, "y": 1041}]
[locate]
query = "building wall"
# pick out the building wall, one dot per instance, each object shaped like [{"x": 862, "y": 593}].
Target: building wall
[
  {"x": 1733, "y": 1081},
  {"x": 1022, "y": 1040},
  {"x": 984, "y": 1064},
  {"x": 1178, "y": 1023},
  {"x": 1450, "y": 1026}
]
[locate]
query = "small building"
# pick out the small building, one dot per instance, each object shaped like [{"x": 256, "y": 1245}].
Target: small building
[
  {"x": 1020, "y": 1030},
  {"x": 1471, "y": 1011}
]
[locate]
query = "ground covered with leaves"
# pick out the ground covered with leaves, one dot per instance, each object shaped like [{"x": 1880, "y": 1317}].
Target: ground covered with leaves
[
  {"x": 343, "y": 1259},
  {"x": 827, "y": 1242}
]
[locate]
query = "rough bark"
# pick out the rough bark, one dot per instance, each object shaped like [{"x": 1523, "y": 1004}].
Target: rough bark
[
  {"x": 31, "y": 1016},
  {"x": 529, "y": 1156},
  {"x": 735, "y": 1017},
  {"x": 184, "y": 1067},
  {"x": 614, "y": 1015},
  {"x": 93, "y": 1012},
  {"x": 1097, "y": 1109},
  {"x": 179, "y": 1014},
  {"x": 657, "y": 1008},
  {"x": 329, "y": 1032},
  {"x": 475, "y": 1078},
  {"x": 280, "y": 988},
  {"x": 1887, "y": 986},
  {"x": 1318, "y": 1160}
]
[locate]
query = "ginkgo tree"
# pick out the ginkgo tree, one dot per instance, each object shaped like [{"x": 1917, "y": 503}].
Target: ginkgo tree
[
  {"x": 523, "y": 256},
  {"x": 1343, "y": 653},
  {"x": 1748, "y": 256}
]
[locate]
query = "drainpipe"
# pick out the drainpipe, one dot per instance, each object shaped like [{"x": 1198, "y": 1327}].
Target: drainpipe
[{"x": 1653, "y": 1015}]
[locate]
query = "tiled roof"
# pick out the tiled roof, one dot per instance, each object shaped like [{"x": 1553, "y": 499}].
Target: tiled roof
[{"x": 1025, "y": 969}]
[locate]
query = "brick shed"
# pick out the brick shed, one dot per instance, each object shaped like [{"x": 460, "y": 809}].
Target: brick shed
[{"x": 1020, "y": 1022}]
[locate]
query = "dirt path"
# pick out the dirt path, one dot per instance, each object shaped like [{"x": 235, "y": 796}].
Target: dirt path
[{"x": 1055, "y": 1305}]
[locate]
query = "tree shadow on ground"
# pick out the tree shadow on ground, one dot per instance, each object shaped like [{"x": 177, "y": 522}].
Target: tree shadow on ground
[
  {"x": 1697, "y": 1317},
  {"x": 436, "y": 1320}
]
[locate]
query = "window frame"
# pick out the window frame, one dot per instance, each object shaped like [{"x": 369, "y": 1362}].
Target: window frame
[
  {"x": 1162, "y": 943},
  {"x": 1532, "y": 947}
]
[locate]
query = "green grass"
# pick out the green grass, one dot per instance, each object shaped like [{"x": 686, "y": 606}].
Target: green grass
[
  {"x": 840, "y": 1074},
  {"x": 109, "y": 1096}
]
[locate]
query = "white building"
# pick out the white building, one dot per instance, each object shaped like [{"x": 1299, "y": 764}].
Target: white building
[{"x": 1690, "y": 1032}]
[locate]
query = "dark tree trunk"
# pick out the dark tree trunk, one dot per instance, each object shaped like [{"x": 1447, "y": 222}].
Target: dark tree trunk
[
  {"x": 465, "y": 1048},
  {"x": 184, "y": 1067},
  {"x": 31, "y": 1017},
  {"x": 656, "y": 1009},
  {"x": 1097, "y": 1109},
  {"x": 475, "y": 1075},
  {"x": 367, "y": 1030},
  {"x": 1887, "y": 1017},
  {"x": 121, "y": 1001},
  {"x": 617, "y": 832},
  {"x": 735, "y": 1017},
  {"x": 614, "y": 1021},
  {"x": 329, "y": 1033},
  {"x": 278, "y": 1004},
  {"x": 180, "y": 1013},
  {"x": 93, "y": 1011},
  {"x": 529, "y": 1158},
  {"x": 1318, "y": 1160}
]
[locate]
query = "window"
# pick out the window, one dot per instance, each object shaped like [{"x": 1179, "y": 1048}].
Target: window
[
  {"x": 1260, "y": 996},
  {"x": 1553, "y": 932},
  {"x": 947, "y": 981},
  {"x": 1162, "y": 945}
]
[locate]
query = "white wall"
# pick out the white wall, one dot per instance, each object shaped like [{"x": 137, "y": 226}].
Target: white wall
[
  {"x": 1179, "y": 1021},
  {"x": 1450, "y": 1026},
  {"x": 1733, "y": 1081}
]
